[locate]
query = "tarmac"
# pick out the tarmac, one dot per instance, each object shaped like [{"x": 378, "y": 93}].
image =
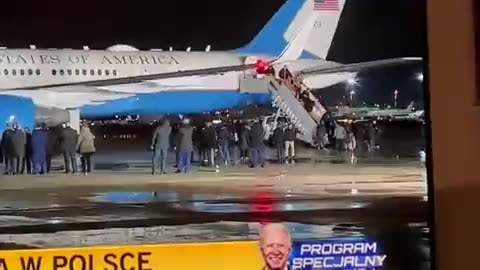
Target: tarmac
[{"x": 307, "y": 179}]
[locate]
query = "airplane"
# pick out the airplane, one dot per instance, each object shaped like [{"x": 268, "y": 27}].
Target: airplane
[
  {"x": 346, "y": 111},
  {"x": 123, "y": 80},
  {"x": 368, "y": 113},
  {"x": 390, "y": 113}
]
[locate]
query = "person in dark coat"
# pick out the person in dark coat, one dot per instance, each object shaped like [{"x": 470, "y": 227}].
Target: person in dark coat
[
  {"x": 209, "y": 136},
  {"x": 186, "y": 146},
  {"x": 244, "y": 143},
  {"x": 256, "y": 144},
  {"x": 223, "y": 144},
  {"x": 160, "y": 144},
  {"x": 285, "y": 74},
  {"x": 279, "y": 142},
  {"x": 19, "y": 141},
  {"x": 39, "y": 149},
  {"x": 177, "y": 139},
  {"x": 7, "y": 147},
  {"x": 321, "y": 132},
  {"x": 52, "y": 146},
  {"x": 27, "y": 160},
  {"x": 68, "y": 140}
]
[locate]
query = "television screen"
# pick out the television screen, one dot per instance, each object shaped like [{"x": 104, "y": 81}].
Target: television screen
[{"x": 283, "y": 134}]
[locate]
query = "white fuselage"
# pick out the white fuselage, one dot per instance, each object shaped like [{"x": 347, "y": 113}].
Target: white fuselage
[
  {"x": 53, "y": 67},
  {"x": 45, "y": 70}
]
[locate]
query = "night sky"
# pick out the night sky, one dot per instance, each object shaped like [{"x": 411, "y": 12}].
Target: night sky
[{"x": 368, "y": 30}]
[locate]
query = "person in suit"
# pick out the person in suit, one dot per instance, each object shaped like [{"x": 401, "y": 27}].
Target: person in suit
[
  {"x": 19, "y": 142},
  {"x": 256, "y": 144},
  {"x": 68, "y": 142},
  {"x": 7, "y": 147},
  {"x": 186, "y": 146},
  {"x": 39, "y": 149},
  {"x": 160, "y": 144},
  {"x": 27, "y": 159}
]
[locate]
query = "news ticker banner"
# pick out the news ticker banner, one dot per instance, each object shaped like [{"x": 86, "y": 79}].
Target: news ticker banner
[{"x": 321, "y": 254}]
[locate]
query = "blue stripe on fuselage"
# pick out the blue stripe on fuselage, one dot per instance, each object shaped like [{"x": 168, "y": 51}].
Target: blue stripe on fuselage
[
  {"x": 175, "y": 102},
  {"x": 270, "y": 40}
]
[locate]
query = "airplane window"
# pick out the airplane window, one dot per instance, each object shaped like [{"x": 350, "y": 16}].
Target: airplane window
[
  {"x": 22, "y": 72},
  {"x": 107, "y": 72},
  {"x": 38, "y": 72},
  {"x": 62, "y": 72},
  {"x": 14, "y": 72},
  {"x": 99, "y": 72},
  {"x": 77, "y": 72},
  {"x": 69, "y": 72},
  {"x": 92, "y": 72},
  {"x": 54, "y": 72},
  {"x": 84, "y": 72},
  {"x": 5, "y": 71},
  {"x": 30, "y": 72},
  {"x": 114, "y": 72}
]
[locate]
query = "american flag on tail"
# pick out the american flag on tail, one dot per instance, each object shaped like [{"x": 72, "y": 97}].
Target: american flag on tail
[{"x": 326, "y": 5}]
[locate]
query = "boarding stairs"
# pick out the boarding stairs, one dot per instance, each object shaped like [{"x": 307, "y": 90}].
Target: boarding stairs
[{"x": 283, "y": 98}]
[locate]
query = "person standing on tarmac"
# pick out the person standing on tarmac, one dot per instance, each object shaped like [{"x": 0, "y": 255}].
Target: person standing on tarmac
[
  {"x": 27, "y": 159},
  {"x": 7, "y": 147},
  {"x": 210, "y": 139},
  {"x": 321, "y": 133},
  {"x": 86, "y": 147},
  {"x": 39, "y": 149},
  {"x": 186, "y": 146},
  {"x": 19, "y": 141},
  {"x": 68, "y": 142},
  {"x": 290, "y": 136},
  {"x": 279, "y": 142},
  {"x": 160, "y": 144},
  {"x": 244, "y": 143},
  {"x": 340, "y": 137},
  {"x": 177, "y": 138},
  {"x": 223, "y": 144},
  {"x": 52, "y": 147},
  {"x": 256, "y": 144}
]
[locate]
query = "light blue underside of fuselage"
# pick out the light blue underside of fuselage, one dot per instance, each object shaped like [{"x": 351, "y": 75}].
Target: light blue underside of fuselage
[{"x": 175, "y": 102}]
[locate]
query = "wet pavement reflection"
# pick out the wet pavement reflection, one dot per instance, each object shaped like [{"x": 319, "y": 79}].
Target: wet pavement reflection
[{"x": 107, "y": 217}]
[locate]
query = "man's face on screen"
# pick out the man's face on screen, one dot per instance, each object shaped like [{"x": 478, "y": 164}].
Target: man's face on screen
[{"x": 275, "y": 246}]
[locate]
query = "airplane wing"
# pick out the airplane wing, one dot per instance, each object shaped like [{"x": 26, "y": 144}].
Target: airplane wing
[{"x": 351, "y": 68}]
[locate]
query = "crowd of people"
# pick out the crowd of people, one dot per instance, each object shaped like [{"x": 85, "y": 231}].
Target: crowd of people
[
  {"x": 30, "y": 152},
  {"x": 227, "y": 144},
  {"x": 24, "y": 151},
  {"x": 331, "y": 134}
]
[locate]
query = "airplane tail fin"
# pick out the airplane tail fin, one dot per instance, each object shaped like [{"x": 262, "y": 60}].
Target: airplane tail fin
[
  {"x": 410, "y": 106},
  {"x": 321, "y": 36},
  {"x": 289, "y": 20}
]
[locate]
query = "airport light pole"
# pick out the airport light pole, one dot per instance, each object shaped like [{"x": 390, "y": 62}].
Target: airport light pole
[
  {"x": 395, "y": 95},
  {"x": 351, "y": 87},
  {"x": 352, "y": 93}
]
